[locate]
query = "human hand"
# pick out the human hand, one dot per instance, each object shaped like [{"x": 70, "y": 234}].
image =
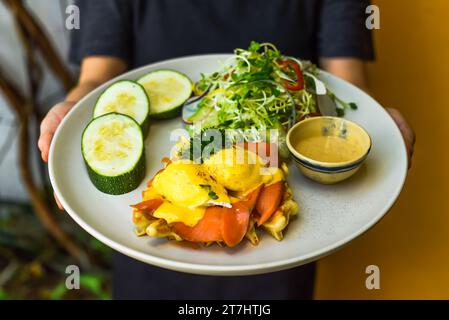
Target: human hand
[
  {"x": 48, "y": 129},
  {"x": 406, "y": 131}
]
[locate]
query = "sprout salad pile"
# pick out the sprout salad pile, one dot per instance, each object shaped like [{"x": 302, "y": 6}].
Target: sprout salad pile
[{"x": 256, "y": 90}]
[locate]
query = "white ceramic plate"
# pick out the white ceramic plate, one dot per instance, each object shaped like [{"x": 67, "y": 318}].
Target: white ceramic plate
[{"x": 330, "y": 216}]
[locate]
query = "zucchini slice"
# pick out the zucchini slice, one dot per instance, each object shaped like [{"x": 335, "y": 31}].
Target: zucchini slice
[
  {"x": 167, "y": 90},
  {"x": 125, "y": 97},
  {"x": 113, "y": 150}
]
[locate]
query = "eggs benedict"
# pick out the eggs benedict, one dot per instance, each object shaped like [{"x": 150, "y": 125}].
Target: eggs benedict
[{"x": 224, "y": 199}]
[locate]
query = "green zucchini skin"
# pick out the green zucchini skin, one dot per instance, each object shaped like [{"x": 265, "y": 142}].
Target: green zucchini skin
[
  {"x": 169, "y": 114},
  {"x": 121, "y": 184},
  {"x": 146, "y": 124},
  {"x": 125, "y": 182}
]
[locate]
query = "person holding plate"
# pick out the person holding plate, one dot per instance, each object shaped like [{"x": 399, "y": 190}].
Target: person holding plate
[{"x": 118, "y": 35}]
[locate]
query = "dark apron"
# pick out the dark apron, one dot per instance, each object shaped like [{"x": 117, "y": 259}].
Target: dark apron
[
  {"x": 219, "y": 28},
  {"x": 136, "y": 280}
]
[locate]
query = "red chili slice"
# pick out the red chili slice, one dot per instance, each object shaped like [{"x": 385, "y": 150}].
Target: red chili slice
[{"x": 299, "y": 84}]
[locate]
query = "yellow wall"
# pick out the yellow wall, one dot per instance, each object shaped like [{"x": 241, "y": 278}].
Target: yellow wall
[{"x": 411, "y": 244}]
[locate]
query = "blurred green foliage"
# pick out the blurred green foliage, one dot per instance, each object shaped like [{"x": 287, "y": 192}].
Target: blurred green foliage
[{"x": 33, "y": 266}]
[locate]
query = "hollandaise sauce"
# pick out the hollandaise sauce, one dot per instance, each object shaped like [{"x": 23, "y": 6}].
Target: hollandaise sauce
[{"x": 329, "y": 148}]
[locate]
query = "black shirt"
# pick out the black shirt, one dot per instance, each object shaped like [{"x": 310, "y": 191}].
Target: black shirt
[{"x": 141, "y": 32}]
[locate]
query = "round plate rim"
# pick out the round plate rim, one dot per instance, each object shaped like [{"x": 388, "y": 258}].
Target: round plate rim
[{"x": 214, "y": 269}]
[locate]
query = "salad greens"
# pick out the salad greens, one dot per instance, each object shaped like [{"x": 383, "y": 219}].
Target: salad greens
[{"x": 256, "y": 90}]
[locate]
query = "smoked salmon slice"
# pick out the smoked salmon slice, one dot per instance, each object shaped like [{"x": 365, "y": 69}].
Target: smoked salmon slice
[
  {"x": 251, "y": 198},
  {"x": 269, "y": 200},
  {"x": 148, "y": 205},
  {"x": 235, "y": 223},
  {"x": 236, "y": 219},
  {"x": 206, "y": 230},
  {"x": 221, "y": 224}
]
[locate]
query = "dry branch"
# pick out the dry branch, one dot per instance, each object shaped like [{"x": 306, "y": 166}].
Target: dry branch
[
  {"x": 32, "y": 27},
  {"x": 20, "y": 108},
  {"x": 30, "y": 34}
]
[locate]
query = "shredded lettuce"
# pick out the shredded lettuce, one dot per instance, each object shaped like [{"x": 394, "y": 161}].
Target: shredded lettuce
[{"x": 248, "y": 94}]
